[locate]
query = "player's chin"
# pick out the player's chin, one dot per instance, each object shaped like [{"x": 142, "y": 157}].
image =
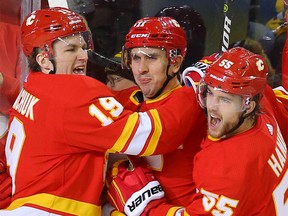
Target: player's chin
[
  {"x": 214, "y": 133},
  {"x": 215, "y": 127}
]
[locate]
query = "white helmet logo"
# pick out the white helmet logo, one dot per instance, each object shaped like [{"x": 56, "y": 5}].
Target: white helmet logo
[
  {"x": 260, "y": 65},
  {"x": 30, "y": 19}
]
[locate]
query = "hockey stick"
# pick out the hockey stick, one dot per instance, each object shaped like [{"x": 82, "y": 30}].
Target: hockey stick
[
  {"x": 99, "y": 59},
  {"x": 227, "y": 21}
]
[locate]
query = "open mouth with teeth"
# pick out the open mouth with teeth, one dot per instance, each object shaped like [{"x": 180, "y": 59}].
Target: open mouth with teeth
[
  {"x": 79, "y": 70},
  {"x": 214, "y": 122}
]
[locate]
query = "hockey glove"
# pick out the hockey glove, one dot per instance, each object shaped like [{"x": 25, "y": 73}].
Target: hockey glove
[
  {"x": 193, "y": 74},
  {"x": 132, "y": 188},
  {"x": 5, "y": 186}
]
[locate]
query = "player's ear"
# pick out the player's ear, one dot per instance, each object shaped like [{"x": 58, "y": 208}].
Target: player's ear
[
  {"x": 44, "y": 62},
  {"x": 250, "y": 107},
  {"x": 176, "y": 63}
]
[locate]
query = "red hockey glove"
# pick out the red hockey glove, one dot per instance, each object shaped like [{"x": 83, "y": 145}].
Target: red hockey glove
[
  {"x": 132, "y": 188},
  {"x": 193, "y": 74},
  {"x": 5, "y": 186}
]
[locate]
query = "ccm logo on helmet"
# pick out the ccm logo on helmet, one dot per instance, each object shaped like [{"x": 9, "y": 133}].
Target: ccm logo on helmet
[
  {"x": 147, "y": 195},
  {"x": 139, "y": 35}
]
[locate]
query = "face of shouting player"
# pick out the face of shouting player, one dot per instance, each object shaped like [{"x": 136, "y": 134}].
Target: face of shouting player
[
  {"x": 223, "y": 112},
  {"x": 149, "y": 66},
  {"x": 70, "y": 54}
]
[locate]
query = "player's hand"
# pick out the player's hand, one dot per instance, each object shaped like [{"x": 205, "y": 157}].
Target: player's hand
[
  {"x": 132, "y": 188},
  {"x": 193, "y": 74},
  {"x": 5, "y": 186}
]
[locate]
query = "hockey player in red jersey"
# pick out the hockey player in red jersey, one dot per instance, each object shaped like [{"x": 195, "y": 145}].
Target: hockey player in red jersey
[
  {"x": 62, "y": 122},
  {"x": 155, "y": 64},
  {"x": 242, "y": 168}
]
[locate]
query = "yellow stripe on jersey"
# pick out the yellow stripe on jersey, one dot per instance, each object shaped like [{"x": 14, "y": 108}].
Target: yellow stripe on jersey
[
  {"x": 164, "y": 95},
  {"x": 117, "y": 213},
  {"x": 112, "y": 199},
  {"x": 173, "y": 211},
  {"x": 213, "y": 138},
  {"x": 185, "y": 213},
  {"x": 142, "y": 133},
  {"x": 279, "y": 94},
  {"x": 126, "y": 133},
  {"x": 156, "y": 135},
  {"x": 133, "y": 99},
  {"x": 118, "y": 192},
  {"x": 56, "y": 203}
]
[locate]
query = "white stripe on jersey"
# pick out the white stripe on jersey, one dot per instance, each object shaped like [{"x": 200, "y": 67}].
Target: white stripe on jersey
[
  {"x": 26, "y": 210},
  {"x": 143, "y": 131}
]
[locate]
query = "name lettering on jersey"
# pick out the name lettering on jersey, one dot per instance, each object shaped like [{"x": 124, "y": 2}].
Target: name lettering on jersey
[
  {"x": 278, "y": 159},
  {"x": 24, "y": 104}
]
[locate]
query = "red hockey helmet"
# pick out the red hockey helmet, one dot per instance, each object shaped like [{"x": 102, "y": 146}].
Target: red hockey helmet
[
  {"x": 42, "y": 27},
  {"x": 157, "y": 32},
  {"x": 238, "y": 71}
]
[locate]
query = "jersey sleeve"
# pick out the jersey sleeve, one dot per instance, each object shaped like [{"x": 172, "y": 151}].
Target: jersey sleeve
[{"x": 104, "y": 121}]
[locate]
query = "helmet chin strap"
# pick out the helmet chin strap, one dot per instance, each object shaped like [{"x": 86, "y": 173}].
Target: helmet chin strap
[
  {"x": 240, "y": 122},
  {"x": 168, "y": 78},
  {"x": 54, "y": 66}
]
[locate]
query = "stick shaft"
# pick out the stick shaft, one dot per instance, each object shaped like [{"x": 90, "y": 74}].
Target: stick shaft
[{"x": 227, "y": 21}]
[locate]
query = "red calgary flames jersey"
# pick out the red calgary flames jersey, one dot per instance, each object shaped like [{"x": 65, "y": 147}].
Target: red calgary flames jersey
[{"x": 59, "y": 130}]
